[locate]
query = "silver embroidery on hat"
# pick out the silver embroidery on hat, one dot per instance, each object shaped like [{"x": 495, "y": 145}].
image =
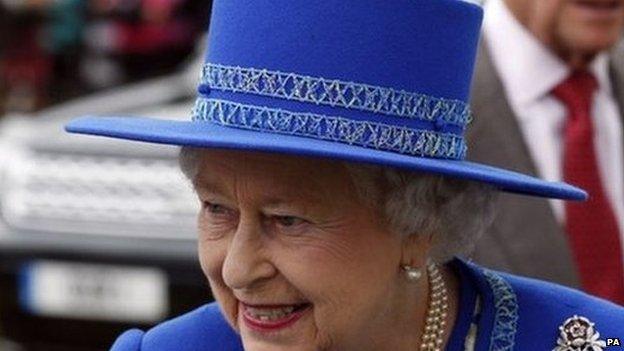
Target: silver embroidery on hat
[
  {"x": 579, "y": 334},
  {"x": 404, "y": 140},
  {"x": 336, "y": 93}
]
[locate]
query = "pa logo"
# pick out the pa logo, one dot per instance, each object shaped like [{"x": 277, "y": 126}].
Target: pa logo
[{"x": 614, "y": 342}]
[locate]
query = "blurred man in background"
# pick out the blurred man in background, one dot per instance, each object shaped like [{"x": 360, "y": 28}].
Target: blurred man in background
[{"x": 548, "y": 100}]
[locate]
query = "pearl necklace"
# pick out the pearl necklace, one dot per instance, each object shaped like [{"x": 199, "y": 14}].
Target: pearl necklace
[{"x": 436, "y": 312}]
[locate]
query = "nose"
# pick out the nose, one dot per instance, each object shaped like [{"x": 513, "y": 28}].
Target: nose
[{"x": 246, "y": 263}]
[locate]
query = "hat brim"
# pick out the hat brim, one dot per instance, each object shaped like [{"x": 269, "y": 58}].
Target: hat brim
[{"x": 210, "y": 135}]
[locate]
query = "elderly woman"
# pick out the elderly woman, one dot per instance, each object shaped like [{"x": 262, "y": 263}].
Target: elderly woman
[{"x": 326, "y": 148}]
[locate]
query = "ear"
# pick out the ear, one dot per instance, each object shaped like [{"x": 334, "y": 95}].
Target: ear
[{"x": 416, "y": 249}]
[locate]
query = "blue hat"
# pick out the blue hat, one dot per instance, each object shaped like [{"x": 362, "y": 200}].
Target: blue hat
[{"x": 381, "y": 82}]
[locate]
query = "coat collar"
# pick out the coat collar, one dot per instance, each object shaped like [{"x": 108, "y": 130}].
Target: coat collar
[{"x": 498, "y": 318}]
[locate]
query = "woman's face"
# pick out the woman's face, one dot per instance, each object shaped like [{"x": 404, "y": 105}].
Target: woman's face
[{"x": 294, "y": 258}]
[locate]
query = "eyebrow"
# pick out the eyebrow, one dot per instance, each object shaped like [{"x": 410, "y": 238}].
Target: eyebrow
[
  {"x": 274, "y": 201},
  {"x": 207, "y": 185}
]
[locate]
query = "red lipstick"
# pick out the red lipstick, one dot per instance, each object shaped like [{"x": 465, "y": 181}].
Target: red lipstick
[{"x": 272, "y": 318}]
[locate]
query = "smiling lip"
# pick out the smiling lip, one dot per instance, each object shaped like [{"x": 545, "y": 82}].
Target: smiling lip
[{"x": 272, "y": 325}]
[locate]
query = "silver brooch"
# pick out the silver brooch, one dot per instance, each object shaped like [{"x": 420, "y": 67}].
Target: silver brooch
[{"x": 578, "y": 334}]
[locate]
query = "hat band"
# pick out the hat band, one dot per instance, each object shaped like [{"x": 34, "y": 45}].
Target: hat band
[
  {"x": 335, "y": 93},
  {"x": 374, "y": 135}
]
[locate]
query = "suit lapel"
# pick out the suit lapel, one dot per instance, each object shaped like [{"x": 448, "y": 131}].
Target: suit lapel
[
  {"x": 525, "y": 237},
  {"x": 495, "y": 118},
  {"x": 616, "y": 70}
]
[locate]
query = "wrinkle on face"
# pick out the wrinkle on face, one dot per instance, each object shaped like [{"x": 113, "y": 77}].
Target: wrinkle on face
[
  {"x": 252, "y": 171},
  {"x": 342, "y": 259}
]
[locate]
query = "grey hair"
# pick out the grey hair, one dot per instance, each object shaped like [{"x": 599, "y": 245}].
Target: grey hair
[
  {"x": 189, "y": 161},
  {"x": 454, "y": 212}
]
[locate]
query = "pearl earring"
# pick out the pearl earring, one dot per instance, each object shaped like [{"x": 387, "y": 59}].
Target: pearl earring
[{"x": 413, "y": 274}]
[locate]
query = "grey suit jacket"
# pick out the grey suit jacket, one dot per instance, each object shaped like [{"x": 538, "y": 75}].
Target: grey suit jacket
[{"x": 525, "y": 237}]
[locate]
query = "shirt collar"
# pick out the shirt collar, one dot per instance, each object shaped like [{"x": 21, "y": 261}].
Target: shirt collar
[{"x": 600, "y": 69}]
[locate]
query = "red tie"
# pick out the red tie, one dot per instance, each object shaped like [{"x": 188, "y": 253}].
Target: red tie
[{"x": 591, "y": 226}]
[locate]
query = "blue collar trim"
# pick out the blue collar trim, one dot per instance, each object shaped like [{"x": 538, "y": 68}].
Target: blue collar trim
[
  {"x": 506, "y": 315},
  {"x": 498, "y": 322}
]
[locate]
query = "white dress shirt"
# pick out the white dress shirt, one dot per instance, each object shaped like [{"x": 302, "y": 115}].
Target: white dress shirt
[{"x": 529, "y": 72}]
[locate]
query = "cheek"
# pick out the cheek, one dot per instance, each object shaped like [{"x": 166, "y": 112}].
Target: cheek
[
  {"x": 211, "y": 256},
  {"x": 545, "y": 14},
  {"x": 545, "y": 19},
  {"x": 348, "y": 281},
  {"x": 575, "y": 30}
]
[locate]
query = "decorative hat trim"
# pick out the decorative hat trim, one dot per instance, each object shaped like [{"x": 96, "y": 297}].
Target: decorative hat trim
[
  {"x": 335, "y": 93},
  {"x": 404, "y": 140},
  {"x": 396, "y": 102}
]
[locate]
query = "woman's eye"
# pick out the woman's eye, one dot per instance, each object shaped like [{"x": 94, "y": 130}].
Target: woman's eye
[
  {"x": 288, "y": 221},
  {"x": 214, "y": 209}
]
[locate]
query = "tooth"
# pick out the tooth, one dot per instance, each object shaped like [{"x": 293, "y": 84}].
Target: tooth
[{"x": 270, "y": 314}]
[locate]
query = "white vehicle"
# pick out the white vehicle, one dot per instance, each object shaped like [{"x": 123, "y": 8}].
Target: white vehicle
[{"x": 85, "y": 221}]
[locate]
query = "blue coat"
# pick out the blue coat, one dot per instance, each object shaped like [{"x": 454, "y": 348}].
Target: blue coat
[{"x": 516, "y": 314}]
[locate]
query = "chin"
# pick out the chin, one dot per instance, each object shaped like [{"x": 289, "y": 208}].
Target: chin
[
  {"x": 277, "y": 342},
  {"x": 256, "y": 345},
  {"x": 597, "y": 37},
  {"x": 591, "y": 42},
  {"x": 261, "y": 329},
  {"x": 595, "y": 45}
]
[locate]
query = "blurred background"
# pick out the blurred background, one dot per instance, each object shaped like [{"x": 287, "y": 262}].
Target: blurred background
[{"x": 96, "y": 236}]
